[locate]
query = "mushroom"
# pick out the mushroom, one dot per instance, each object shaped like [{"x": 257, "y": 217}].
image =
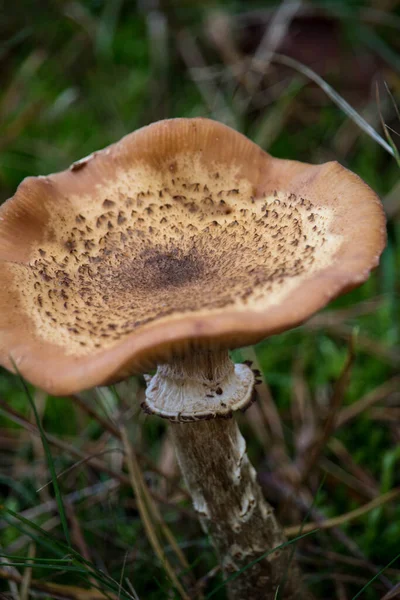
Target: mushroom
[{"x": 167, "y": 249}]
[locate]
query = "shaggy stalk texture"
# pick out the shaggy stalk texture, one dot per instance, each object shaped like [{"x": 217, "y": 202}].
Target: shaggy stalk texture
[
  {"x": 229, "y": 502},
  {"x": 198, "y": 393}
]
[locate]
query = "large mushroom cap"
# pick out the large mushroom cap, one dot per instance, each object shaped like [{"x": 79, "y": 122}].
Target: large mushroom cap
[{"x": 184, "y": 234}]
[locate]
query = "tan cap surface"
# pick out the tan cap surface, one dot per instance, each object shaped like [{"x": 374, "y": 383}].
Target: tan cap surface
[{"x": 184, "y": 234}]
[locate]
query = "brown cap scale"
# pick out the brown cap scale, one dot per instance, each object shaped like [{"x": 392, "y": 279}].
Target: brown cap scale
[{"x": 181, "y": 241}]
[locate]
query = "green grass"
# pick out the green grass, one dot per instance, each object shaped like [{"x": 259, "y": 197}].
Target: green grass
[{"x": 77, "y": 76}]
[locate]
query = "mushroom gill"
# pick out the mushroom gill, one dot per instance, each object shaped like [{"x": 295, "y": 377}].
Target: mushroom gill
[{"x": 151, "y": 245}]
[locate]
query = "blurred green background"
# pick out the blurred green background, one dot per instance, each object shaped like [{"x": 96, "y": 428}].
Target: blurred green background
[{"x": 76, "y": 76}]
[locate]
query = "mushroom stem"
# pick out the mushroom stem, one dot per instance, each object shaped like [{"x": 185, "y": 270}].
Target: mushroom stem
[
  {"x": 231, "y": 508},
  {"x": 222, "y": 482}
]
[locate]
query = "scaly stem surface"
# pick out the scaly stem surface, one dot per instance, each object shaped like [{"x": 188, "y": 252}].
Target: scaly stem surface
[
  {"x": 198, "y": 393},
  {"x": 231, "y": 507}
]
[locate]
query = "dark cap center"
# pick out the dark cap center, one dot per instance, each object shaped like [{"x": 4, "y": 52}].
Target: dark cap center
[{"x": 170, "y": 268}]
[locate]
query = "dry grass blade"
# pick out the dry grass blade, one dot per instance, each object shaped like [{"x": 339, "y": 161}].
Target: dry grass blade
[
  {"x": 18, "y": 418},
  {"x": 157, "y": 28},
  {"x": 345, "y": 457},
  {"x": 112, "y": 429},
  {"x": 106, "y": 424},
  {"x": 393, "y": 594},
  {"x": 273, "y": 36},
  {"x": 211, "y": 94},
  {"x": 385, "y": 414},
  {"x": 57, "y": 590},
  {"x": 396, "y": 108},
  {"x": 24, "y": 590},
  {"x": 138, "y": 486},
  {"x": 380, "y": 393},
  {"x": 303, "y": 413},
  {"x": 157, "y": 517},
  {"x": 334, "y": 531},
  {"x": 389, "y": 354},
  {"x": 131, "y": 589},
  {"x": 334, "y": 96},
  {"x": 391, "y": 202},
  {"x": 386, "y": 128},
  {"x": 77, "y": 536},
  {"x": 315, "y": 449},
  {"x": 97, "y": 491},
  {"x": 269, "y": 411},
  {"x": 255, "y": 420},
  {"x": 330, "y": 422},
  {"x": 94, "y": 462},
  {"x": 78, "y": 464},
  {"x": 340, "y": 315},
  {"x": 337, "y": 475}
]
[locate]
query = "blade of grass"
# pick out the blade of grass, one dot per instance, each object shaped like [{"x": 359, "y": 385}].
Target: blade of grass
[
  {"x": 254, "y": 562},
  {"x": 65, "y": 568},
  {"x": 366, "y": 586},
  {"x": 122, "y": 575},
  {"x": 396, "y": 108},
  {"x": 78, "y": 464},
  {"x": 62, "y": 550},
  {"x": 18, "y": 488},
  {"x": 44, "y": 543},
  {"x": 131, "y": 589},
  {"x": 34, "y": 565},
  {"x": 49, "y": 457},
  {"x": 386, "y": 129},
  {"x": 279, "y": 593},
  {"x": 97, "y": 490},
  {"x": 335, "y": 97},
  {"x": 17, "y": 557}
]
